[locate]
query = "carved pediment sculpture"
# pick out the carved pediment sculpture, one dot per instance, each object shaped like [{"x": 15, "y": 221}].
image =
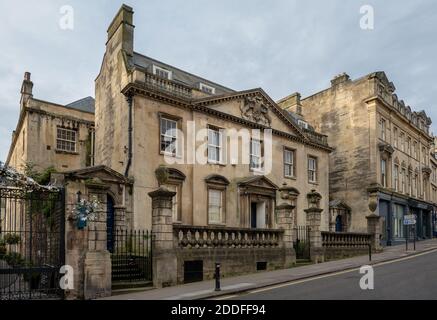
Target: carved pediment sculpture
[{"x": 254, "y": 109}]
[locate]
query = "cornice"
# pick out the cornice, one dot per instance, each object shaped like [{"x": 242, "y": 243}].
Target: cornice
[
  {"x": 400, "y": 115},
  {"x": 201, "y": 106}
]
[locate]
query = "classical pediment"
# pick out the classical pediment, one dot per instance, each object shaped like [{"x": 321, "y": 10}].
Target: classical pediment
[
  {"x": 254, "y": 106},
  {"x": 102, "y": 173},
  {"x": 257, "y": 182}
]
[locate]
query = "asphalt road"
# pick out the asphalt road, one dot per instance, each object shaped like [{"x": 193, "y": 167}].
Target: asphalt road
[{"x": 413, "y": 278}]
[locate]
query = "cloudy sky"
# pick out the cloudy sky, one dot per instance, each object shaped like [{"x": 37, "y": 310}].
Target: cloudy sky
[{"x": 281, "y": 46}]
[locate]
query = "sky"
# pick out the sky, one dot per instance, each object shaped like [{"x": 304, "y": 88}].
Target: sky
[{"x": 281, "y": 46}]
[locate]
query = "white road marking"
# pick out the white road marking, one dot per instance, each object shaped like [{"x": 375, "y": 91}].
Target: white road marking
[{"x": 294, "y": 282}]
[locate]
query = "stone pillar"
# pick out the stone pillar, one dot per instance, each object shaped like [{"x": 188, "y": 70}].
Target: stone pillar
[
  {"x": 313, "y": 220},
  {"x": 164, "y": 256},
  {"x": 374, "y": 228},
  {"x": 285, "y": 220},
  {"x": 86, "y": 248}
]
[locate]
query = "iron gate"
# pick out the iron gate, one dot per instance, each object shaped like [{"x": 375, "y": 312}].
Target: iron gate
[
  {"x": 131, "y": 257},
  {"x": 302, "y": 245},
  {"x": 32, "y": 247}
]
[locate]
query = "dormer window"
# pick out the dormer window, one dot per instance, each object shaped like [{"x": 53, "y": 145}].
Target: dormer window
[
  {"x": 302, "y": 124},
  {"x": 161, "y": 72},
  {"x": 207, "y": 89}
]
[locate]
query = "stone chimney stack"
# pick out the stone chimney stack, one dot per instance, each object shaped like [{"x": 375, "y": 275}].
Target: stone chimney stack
[
  {"x": 121, "y": 30},
  {"x": 291, "y": 103},
  {"x": 26, "y": 89},
  {"x": 339, "y": 79}
]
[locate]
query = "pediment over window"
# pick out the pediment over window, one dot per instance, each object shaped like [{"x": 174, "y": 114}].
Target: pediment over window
[
  {"x": 386, "y": 149},
  {"x": 216, "y": 179},
  {"x": 175, "y": 174}
]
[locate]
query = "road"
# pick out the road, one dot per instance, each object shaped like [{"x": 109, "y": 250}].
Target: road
[{"x": 410, "y": 278}]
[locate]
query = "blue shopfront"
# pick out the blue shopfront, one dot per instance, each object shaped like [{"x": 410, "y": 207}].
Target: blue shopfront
[{"x": 392, "y": 209}]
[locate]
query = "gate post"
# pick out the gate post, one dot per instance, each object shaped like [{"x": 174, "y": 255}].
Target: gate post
[
  {"x": 374, "y": 228},
  {"x": 285, "y": 220},
  {"x": 164, "y": 260},
  {"x": 313, "y": 219}
]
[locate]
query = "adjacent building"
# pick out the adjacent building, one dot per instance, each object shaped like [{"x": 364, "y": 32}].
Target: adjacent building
[
  {"x": 380, "y": 142},
  {"x": 52, "y": 135}
]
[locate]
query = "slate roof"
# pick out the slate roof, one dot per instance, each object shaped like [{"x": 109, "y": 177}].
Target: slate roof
[
  {"x": 178, "y": 75},
  {"x": 85, "y": 104}
]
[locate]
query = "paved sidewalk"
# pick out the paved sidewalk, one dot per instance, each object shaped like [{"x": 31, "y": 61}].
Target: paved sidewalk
[{"x": 232, "y": 285}]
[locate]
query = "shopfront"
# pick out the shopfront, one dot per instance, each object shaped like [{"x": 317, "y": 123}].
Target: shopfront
[{"x": 392, "y": 209}]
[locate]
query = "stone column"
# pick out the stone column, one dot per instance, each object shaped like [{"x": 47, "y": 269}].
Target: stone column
[
  {"x": 313, "y": 220},
  {"x": 285, "y": 220},
  {"x": 164, "y": 258},
  {"x": 374, "y": 228}
]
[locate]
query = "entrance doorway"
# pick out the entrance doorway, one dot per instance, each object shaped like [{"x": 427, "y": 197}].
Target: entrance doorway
[
  {"x": 110, "y": 223},
  {"x": 258, "y": 215},
  {"x": 338, "y": 224}
]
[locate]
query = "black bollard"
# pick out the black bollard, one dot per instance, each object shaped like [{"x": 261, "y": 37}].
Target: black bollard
[
  {"x": 217, "y": 277},
  {"x": 370, "y": 252}
]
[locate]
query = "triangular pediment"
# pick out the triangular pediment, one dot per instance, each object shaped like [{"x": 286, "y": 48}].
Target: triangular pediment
[
  {"x": 103, "y": 173},
  {"x": 257, "y": 182},
  {"x": 254, "y": 106}
]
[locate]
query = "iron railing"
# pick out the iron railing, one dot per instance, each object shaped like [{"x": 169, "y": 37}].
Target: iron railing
[
  {"x": 32, "y": 247},
  {"x": 132, "y": 256},
  {"x": 302, "y": 244}
]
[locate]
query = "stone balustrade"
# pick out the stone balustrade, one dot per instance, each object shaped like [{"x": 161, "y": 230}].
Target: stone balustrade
[
  {"x": 345, "y": 239},
  {"x": 164, "y": 85},
  {"x": 224, "y": 237}
]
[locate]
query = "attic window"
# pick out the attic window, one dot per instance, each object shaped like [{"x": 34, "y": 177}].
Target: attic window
[
  {"x": 302, "y": 124},
  {"x": 162, "y": 73},
  {"x": 207, "y": 89}
]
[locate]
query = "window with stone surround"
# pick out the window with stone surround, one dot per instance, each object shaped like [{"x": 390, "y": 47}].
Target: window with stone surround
[
  {"x": 168, "y": 136},
  {"x": 383, "y": 173},
  {"x": 215, "y": 205},
  {"x": 215, "y": 145},
  {"x": 403, "y": 176},
  {"x": 312, "y": 169},
  {"x": 256, "y": 153},
  {"x": 396, "y": 177},
  {"x": 289, "y": 163},
  {"x": 383, "y": 128},
  {"x": 66, "y": 139},
  {"x": 395, "y": 137}
]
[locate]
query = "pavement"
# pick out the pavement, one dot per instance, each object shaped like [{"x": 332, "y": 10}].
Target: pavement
[{"x": 246, "y": 283}]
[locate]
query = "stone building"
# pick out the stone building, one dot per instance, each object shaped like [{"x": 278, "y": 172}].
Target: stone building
[
  {"x": 139, "y": 100},
  {"x": 50, "y": 134},
  {"x": 380, "y": 143},
  {"x": 241, "y": 173}
]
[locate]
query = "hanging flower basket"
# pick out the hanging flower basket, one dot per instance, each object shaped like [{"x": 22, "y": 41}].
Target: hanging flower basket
[{"x": 85, "y": 211}]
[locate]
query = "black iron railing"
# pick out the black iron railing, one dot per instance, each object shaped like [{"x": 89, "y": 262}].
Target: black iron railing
[
  {"x": 32, "y": 248},
  {"x": 132, "y": 256}
]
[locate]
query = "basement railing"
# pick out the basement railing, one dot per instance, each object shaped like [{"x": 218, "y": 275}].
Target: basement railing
[{"x": 225, "y": 237}]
